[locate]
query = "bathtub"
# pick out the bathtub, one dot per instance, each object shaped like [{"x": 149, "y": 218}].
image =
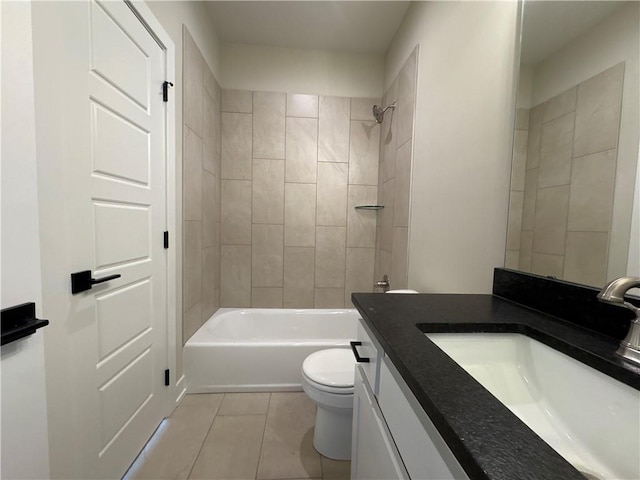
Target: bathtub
[{"x": 254, "y": 349}]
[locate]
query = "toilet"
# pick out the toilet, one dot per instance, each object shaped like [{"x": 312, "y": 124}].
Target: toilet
[{"x": 327, "y": 378}]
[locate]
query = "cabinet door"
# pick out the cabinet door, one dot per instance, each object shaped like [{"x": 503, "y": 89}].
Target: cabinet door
[{"x": 373, "y": 454}]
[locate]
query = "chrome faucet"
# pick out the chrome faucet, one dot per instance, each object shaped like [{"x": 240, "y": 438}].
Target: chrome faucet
[
  {"x": 383, "y": 284},
  {"x": 613, "y": 293}
]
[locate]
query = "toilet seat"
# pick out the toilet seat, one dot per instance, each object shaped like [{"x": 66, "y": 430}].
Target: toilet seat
[{"x": 330, "y": 370}]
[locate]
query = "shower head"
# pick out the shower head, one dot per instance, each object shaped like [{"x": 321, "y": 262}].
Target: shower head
[{"x": 378, "y": 111}]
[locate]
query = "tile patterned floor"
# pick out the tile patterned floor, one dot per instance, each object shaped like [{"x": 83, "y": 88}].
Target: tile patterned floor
[{"x": 263, "y": 436}]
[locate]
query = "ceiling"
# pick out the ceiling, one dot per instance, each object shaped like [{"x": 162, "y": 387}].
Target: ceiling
[
  {"x": 343, "y": 26},
  {"x": 548, "y": 26}
]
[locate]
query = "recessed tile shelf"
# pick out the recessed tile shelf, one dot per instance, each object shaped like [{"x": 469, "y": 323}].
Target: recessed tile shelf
[
  {"x": 369, "y": 207},
  {"x": 19, "y": 321}
]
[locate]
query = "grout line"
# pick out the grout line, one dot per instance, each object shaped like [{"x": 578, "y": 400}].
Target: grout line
[
  {"x": 205, "y": 438},
  {"x": 264, "y": 430}
]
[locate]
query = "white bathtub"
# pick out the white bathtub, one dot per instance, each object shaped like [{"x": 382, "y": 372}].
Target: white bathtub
[{"x": 254, "y": 349}]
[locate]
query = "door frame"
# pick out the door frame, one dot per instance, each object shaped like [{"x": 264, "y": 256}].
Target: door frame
[{"x": 177, "y": 387}]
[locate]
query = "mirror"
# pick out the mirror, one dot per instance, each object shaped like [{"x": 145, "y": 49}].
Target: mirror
[{"x": 575, "y": 160}]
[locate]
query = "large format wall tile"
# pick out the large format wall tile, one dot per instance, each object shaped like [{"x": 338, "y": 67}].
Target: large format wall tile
[
  {"x": 267, "y": 255},
  {"x": 332, "y": 194},
  {"x": 560, "y": 105},
  {"x": 300, "y": 215},
  {"x": 526, "y": 247},
  {"x": 210, "y": 207},
  {"x": 333, "y": 129},
  {"x": 201, "y": 192},
  {"x": 302, "y": 105},
  {"x": 301, "y": 150},
  {"x": 361, "y": 224},
  {"x": 362, "y": 108},
  {"x": 192, "y": 181},
  {"x": 529, "y": 202},
  {"x": 277, "y": 171},
  {"x": 598, "y": 112},
  {"x": 299, "y": 276},
  {"x": 398, "y": 277},
  {"x": 519, "y": 165},
  {"x": 406, "y": 97},
  {"x": 266, "y": 297},
  {"x": 586, "y": 258},
  {"x": 210, "y": 270},
  {"x": 364, "y": 141},
  {"x": 192, "y": 268},
  {"x": 235, "y": 276},
  {"x": 330, "y": 256},
  {"x": 591, "y": 197},
  {"x": 237, "y": 101},
  {"x": 268, "y": 191},
  {"x": 269, "y": 125},
  {"x": 514, "y": 224},
  {"x": 359, "y": 271},
  {"x": 192, "y": 91},
  {"x": 555, "y": 152},
  {"x": 192, "y": 319},
  {"x": 535, "y": 133},
  {"x": 236, "y": 212},
  {"x": 236, "y": 146},
  {"x": 402, "y": 186},
  {"x": 330, "y": 298},
  {"x": 210, "y": 117},
  {"x": 548, "y": 265},
  {"x": 552, "y": 206}
]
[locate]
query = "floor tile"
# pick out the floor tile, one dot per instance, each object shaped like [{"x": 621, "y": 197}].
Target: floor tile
[
  {"x": 245, "y": 404},
  {"x": 287, "y": 450},
  {"x": 335, "y": 469},
  {"x": 232, "y": 448},
  {"x": 172, "y": 451}
]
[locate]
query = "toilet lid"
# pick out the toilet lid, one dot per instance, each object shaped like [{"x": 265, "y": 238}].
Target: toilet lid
[{"x": 334, "y": 367}]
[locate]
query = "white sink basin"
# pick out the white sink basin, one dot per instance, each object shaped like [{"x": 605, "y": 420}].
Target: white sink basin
[{"x": 589, "y": 418}]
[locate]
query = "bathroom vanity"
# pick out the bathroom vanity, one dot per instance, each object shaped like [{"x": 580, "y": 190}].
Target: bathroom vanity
[{"x": 419, "y": 414}]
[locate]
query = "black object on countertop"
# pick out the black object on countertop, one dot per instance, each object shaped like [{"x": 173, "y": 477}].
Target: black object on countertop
[
  {"x": 19, "y": 321},
  {"x": 487, "y": 439}
]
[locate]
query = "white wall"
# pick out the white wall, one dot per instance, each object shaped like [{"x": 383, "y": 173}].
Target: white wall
[
  {"x": 463, "y": 136},
  {"x": 25, "y": 448},
  {"x": 615, "y": 40},
  {"x": 293, "y": 70}
]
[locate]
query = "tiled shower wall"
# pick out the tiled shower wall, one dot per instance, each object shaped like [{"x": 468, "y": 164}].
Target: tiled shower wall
[
  {"x": 293, "y": 169},
  {"x": 394, "y": 177},
  {"x": 201, "y": 191},
  {"x": 564, "y": 218}
]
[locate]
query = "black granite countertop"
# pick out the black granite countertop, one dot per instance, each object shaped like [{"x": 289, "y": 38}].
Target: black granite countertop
[{"x": 486, "y": 438}]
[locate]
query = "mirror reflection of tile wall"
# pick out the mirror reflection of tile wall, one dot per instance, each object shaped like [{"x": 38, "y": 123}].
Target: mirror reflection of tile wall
[{"x": 563, "y": 176}]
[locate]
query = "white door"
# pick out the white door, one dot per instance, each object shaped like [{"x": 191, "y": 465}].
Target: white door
[{"x": 111, "y": 185}]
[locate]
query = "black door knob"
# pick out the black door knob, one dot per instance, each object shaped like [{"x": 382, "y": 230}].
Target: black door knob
[{"x": 82, "y": 281}]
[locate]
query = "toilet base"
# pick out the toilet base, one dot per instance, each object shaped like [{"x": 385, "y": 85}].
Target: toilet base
[{"x": 332, "y": 437}]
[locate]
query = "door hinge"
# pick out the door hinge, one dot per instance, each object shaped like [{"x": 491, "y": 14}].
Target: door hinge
[
  {"x": 167, "y": 378},
  {"x": 165, "y": 90},
  {"x": 166, "y": 239}
]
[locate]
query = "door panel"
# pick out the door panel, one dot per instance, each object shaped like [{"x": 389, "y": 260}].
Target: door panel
[
  {"x": 122, "y": 314},
  {"x": 111, "y": 220},
  {"x": 108, "y": 349},
  {"x": 128, "y": 71},
  {"x": 120, "y": 147}
]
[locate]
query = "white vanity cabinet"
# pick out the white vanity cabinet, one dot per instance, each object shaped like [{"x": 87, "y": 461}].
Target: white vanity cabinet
[
  {"x": 393, "y": 438},
  {"x": 373, "y": 452}
]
